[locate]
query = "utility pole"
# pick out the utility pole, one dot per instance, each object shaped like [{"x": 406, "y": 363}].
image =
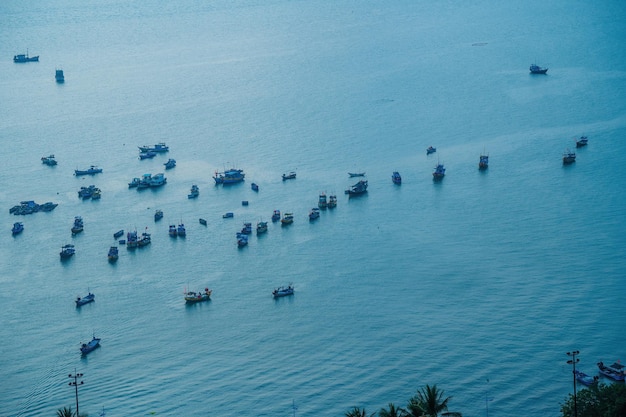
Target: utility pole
[
  {"x": 76, "y": 376},
  {"x": 573, "y": 362}
]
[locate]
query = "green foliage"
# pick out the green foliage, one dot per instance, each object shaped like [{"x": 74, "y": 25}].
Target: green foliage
[
  {"x": 65, "y": 412},
  {"x": 429, "y": 402},
  {"x": 391, "y": 411},
  {"x": 357, "y": 412},
  {"x": 599, "y": 400}
]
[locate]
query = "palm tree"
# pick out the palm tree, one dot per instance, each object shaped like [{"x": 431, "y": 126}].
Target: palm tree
[
  {"x": 429, "y": 402},
  {"x": 65, "y": 412},
  {"x": 357, "y": 412},
  {"x": 392, "y": 411}
]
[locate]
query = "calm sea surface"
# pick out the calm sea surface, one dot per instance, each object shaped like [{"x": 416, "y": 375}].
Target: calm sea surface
[{"x": 479, "y": 283}]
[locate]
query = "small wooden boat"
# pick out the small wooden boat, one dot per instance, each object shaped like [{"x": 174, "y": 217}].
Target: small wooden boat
[
  {"x": 287, "y": 219},
  {"x": 616, "y": 371},
  {"x": 585, "y": 379},
  {"x": 582, "y": 141},
  {"x": 192, "y": 297},
  {"x": 181, "y": 231},
  {"x": 48, "y": 160},
  {"x": 158, "y": 215},
  {"x": 77, "y": 227},
  {"x": 483, "y": 162},
  {"x": 430, "y": 150},
  {"x": 569, "y": 157},
  {"x": 228, "y": 215},
  {"x": 171, "y": 163},
  {"x": 195, "y": 191},
  {"x": 21, "y": 58},
  {"x": 90, "y": 346},
  {"x": 396, "y": 178},
  {"x": 18, "y": 227},
  {"x": 332, "y": 201},
  {"x": 85, "y": 300},
  {"x": 536, "y": 69},
  {"x": 358, "y": 188},
  {"x": 356, "y": 174},
  {"x": 113, "y": 254},
  {"x": 202, "y": 221},
  {"x": 322, "y": 201},
  {"x": 172, "y": 230},
  {"x": 439, "y": 172},
  {"x": 147, "y": 155},
  {"x": 254, "y": 187},
  {"x": 276, "y": 216},
  {"x": 92, "y": 170},
  {"x": 118, "y": 234},
  {"x": 283, "y": 291},
  {"x": 242, "y": 239},
  {"x": 67, "y": 251},
  {"x": 247, "y": 228},
  {"x": 261, "y": 227},
  {"x": 314, "y": 213},
  {"x": 289, "y": 176}
]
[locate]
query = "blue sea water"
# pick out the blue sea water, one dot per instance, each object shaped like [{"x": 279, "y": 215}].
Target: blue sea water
[{"x": 479, "y": 283}]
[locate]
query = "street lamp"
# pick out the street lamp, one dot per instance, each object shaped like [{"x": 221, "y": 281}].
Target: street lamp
[
  {"x": 75, "y": 384},
  {"x": 573, "y": 362}
]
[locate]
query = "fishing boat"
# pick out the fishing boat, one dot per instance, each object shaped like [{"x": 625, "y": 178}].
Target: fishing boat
[
  {"x": 192, "y": 297},
  {"x": 228, "y": 215},
  {"x": 483, "y": 162},
  {"x": 67, "y": 251},
  {"x": 181, "y": 231},
  {"x": 90, "y": 346},
  {"x": 18, "y": 227},
  {"x": 77, "y": 227},
  {"x": 322, "y": 201},
  {"x": 615, "y": 371},
  {"x": 157, "y": 180},
  {"x": 536, "y": 69},
  {"x": 314, "y": 213},
  {"x": 430, "y": 150},
  {"x": 195, "y": 192},
  {"x": 582, "y": 141},
  {"x": 287, "y": 219},
  {"x": 113, "y": 254},
  {"x": 332, "y": 201},
  {"x": 96, "y": 194},
  {"x": 85, "y": 300},
  {"x": 92, "y": 170},
  {"x": 283, "y": 291},
  {"x": 132, "y": 240},
  {"x": 276, "y": 216},
  {"x": 48, "y": 160},
  {"x": 59, "y": 76},
  {"x": 358, "y": 188},
  {"x": 231, "y": 176},
  {"x": 171, "y": 163},
  {"x": 172, "y": 230},
  {"x": 147, "y": 155},
  {"x": 134, "y": 183},
  {"x": 242, "y": 239},
  {"x": 585, "y": 379},
  {"x": 145, "y": 239},
  {"x": 247, "y": 228},
  {"x": 21, "y": 58},
  {"x": 289, "y": 176},
  {"x": 254, "y": 187},
  {"x": 159, "y": 148},
  {"x": 569, "y": 157},
  {"x": 261, "y": 227},
  {"x": 439, "y": 172},
  {"x": 158, "y": 215},
  {"x": 356, "y": 174},
  {"x": 118, "y": 234},
  {"x": 396, "y": 178}
]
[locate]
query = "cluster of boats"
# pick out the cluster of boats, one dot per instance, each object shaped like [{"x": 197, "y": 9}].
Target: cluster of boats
[
  {"x": 179, "y": 230},
  {"x": 616, "y": 372},
  {"x": 133, "y": 240},
  {"x": 30, "y": 207},
  {"x": 569, "y": 156},
  {"x": 91, "y": 191},
  {"x": 148, "y": 181}
]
